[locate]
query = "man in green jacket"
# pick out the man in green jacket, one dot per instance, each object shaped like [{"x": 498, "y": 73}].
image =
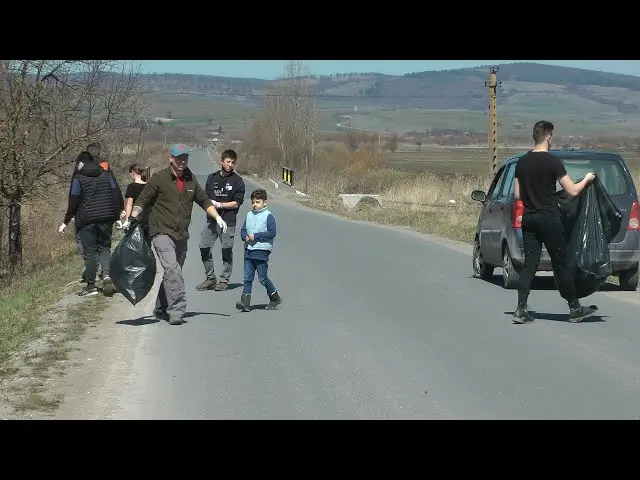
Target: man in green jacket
[{"x": 170, "y": 194}]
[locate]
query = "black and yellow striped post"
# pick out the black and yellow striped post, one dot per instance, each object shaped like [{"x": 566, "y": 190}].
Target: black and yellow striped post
[{"x": 287, "y": 176}]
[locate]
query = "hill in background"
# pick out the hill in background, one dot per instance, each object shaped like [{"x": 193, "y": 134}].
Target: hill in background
[{"x": 580, "y": 102}]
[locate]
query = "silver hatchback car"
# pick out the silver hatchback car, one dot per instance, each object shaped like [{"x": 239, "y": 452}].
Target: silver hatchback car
[{"x": 498, "y": 238}]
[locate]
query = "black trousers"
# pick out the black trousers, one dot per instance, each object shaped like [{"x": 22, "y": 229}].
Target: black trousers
[
  {"x": 96, "y": 242},
  {"x": 547, "y": 230}
]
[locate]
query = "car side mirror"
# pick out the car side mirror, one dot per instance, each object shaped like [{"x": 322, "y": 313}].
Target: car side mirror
[{"x": 478, "y": 196}]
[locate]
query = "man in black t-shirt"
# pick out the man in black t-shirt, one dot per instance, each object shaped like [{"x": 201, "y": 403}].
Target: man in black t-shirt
[
  {"x": 226, "y": 190},
  {"x": 536, "y": 175}
]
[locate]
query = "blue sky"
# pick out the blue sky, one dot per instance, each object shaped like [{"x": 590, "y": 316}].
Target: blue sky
[{"x": 270, "y": 69}]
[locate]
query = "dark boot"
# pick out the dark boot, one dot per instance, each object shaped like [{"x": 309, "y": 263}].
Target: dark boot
[
  {"x": 275, "y": 300},
  {"x": 244, "y": 305},
  {"x": 208, "y": 284},
  {"x": 108, "y": 288},
  {"x": 578, "y": 312},
  {"x": 160, "y": 314},
  {"x": 521, "y": 315}
]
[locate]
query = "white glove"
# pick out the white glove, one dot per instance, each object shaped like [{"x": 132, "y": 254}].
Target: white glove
[
  {"x": 126, "y": 224},
  {"x": 216, "y": 204},
  {"x": 123, "y": 215},
  {"x": 61, "y": 228},
  {"x": 118, "y": 224},
  {"x": 221, "y": 223}
]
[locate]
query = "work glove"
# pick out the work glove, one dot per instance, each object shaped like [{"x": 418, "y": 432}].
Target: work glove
[
  {"x": 216, "y": 204},
  {"x": 129, "y": 223},
  {"x": 221, "y": 223},
  {"x": 123, "y": 215},
  {"x": 118, "y": 224},
  {"x": 61, "y": 228}
]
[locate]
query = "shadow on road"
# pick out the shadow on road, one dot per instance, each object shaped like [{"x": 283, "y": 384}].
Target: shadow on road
[
  {"x": 561, "y": 317},
  {"x": 547, "y": 283},
  {"x": 138, "y": 322},
  {"x": 539, "y": 283},
  {"x": 149, "y": 319}
]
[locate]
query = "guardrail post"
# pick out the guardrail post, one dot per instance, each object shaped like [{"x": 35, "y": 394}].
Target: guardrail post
[{"x": 287, "y": 176}]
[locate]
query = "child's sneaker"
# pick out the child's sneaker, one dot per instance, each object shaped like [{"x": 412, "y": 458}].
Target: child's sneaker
[
  {"x": 244, "y": 305},
  {"x": 275, "y": 300}
]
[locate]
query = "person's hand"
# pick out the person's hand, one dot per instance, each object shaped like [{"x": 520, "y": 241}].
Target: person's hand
[
  {"x": 118, "y": 224},
  {"x": 250, "y": 238},
  {"x": 61, "y": 228},
  {"x": 218, "y": 205},
  {"x": 123, "y": 215},
  {"x": 221, "y": 223},
  {"x": 590, "y": 177}
]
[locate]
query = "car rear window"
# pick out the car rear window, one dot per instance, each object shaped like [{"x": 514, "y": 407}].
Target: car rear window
[{"x": 608, "y": 170}]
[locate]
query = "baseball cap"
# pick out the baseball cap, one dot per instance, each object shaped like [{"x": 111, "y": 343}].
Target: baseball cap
[{"x": 178, "y": 149}]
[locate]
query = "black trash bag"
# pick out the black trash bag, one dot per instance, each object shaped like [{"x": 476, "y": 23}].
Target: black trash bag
[
  {"x": 133, "y": 266},
  {"x": 591, "y": 222}
]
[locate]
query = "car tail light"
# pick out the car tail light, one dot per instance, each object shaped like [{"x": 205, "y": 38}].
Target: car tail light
[
  {"x": 518, "y": 210},
  {"x": 634, "y": 217}
]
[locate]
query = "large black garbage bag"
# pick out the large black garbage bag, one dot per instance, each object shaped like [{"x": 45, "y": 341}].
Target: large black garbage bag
[
  {"x": 133, "y": 266},
  {"x": 591, "y": 221}
]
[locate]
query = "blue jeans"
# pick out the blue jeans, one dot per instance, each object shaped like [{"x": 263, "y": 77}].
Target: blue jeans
[{"x": 251, "y": 266}]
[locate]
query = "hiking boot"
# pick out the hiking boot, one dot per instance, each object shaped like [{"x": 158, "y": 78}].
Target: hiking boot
[
  {"x": 274, "y": 301},
  {"x": 581, "y": 312},
  {"x": 160, "y": 314},
  {"x": 221, "y": 286},
  {"x": 208, "y": 284},
  {"x": 88, "y": 291},
  {"x": 522, "y": 316},
  {"x": 175, "y": 319},
  {"x": 244, "y": 305},
  {"x": 108, "y": 289}
]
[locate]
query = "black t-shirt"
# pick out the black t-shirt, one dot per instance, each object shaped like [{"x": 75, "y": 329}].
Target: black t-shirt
[
  {"x": 537, "y": 174},
  {"x": 132, "y": 191},
  {"x": 228, "y": 188}
]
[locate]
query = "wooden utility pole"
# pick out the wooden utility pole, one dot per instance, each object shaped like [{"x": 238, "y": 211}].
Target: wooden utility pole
[{"x": 493, "y": 122}]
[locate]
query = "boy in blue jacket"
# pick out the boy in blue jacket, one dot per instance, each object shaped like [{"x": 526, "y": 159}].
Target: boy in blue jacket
[{"x": 257, "y": 233}]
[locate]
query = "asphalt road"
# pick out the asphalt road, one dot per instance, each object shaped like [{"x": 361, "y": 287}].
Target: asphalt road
[{"x": 376, "y": 323}]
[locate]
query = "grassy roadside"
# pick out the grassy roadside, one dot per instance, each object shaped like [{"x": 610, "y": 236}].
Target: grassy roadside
[
  {"x": 40, "y": 319},
  {"x": 450, "y": 222},
  {"x": 38, "y": 323}
]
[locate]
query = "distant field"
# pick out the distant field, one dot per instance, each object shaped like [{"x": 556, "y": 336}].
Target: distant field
[
  {"x": 570, "y": 114},
  {"x": 605, "y": 122},
  {"x": 196, "y": 110},
  {"x": 467, "y": 161}
]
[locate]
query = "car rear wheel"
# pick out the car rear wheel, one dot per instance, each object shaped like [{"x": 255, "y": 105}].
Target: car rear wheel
[
  {"x": 480, "y": 269},
  {"x": 628, "y": 279},
  {"x": 510, "y": 276}
]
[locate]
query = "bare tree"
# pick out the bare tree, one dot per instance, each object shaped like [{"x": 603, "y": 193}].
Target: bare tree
[
  {"x": 48, "y": 110},
  {"x": 290, "y": 116}
]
